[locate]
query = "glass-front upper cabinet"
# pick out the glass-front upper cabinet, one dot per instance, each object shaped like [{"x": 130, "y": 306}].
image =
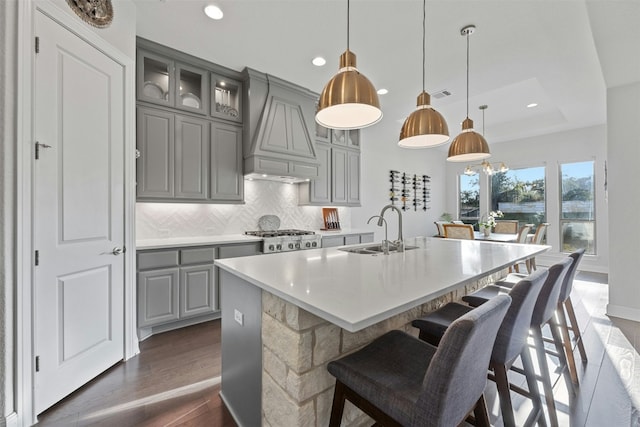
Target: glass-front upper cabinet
[
  {"x": 155, "y": 81},
  {"x": 192, "y": 91},
  {"x": 166, "y": 82},
  {"x": 226, "y": 98},
  {"x": 322, "y": 133},
  {"x": 346, "y": 138}
]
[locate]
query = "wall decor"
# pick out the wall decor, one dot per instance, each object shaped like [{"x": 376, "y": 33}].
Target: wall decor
[
  {"x": 410, "y": 191},
  {"x": 98, "y": 13}
]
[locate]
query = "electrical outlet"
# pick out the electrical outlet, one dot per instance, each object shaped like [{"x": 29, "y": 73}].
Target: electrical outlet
[{"x": 238, "y": 316}]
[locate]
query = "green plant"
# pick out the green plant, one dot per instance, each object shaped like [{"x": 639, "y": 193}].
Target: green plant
[{"x": 446, "y": 216}]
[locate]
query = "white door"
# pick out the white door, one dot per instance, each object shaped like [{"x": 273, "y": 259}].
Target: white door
[{"x": 78, "y": 211}]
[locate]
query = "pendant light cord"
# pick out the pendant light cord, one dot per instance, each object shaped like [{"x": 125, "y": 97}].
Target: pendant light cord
[
  {"x": 467, "y": 74},
  {"x": 424, "y": 19},
  {"x": 348, "y": 24}
]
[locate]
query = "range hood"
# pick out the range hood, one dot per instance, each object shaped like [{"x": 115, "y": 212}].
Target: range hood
[{"x": 279, "y": 129}]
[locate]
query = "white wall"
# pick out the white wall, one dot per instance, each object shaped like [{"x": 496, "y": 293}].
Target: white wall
[
  {"x": 550, "y": 151},
  {"x": 380, "y": 154},
  {"x": 623, "y": 151},
  {"x": 120, "y": 34}
]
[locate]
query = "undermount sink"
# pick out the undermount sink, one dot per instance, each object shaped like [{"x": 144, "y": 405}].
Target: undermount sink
[{"x": 374, "y": 249}]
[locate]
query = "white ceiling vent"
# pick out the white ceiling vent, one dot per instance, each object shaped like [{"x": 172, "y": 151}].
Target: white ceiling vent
[{"x": 441, "y": 94}]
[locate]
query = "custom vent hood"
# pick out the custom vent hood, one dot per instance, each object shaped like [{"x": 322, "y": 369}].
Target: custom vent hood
[{"x": 279, "y": 129}]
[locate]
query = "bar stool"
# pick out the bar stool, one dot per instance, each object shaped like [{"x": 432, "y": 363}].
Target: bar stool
[
  {"x": 564, "y": 302},
  {"x": 400, "y": 380},
  {"x": 510, "y": 343},
  {"x": 543, "y": 313}
]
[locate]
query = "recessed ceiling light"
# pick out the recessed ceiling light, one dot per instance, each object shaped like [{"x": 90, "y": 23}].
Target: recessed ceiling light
[
  {"x": 382, "y": 91},
  {"x": 533, "y": 104},
  {"x": 213, "y": 12},
  {"x": 318, "y": 61}
]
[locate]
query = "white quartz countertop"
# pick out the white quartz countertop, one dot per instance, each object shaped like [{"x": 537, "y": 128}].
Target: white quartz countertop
[
  {"x": 172, "y": 242},
  {"x": 354, "y": 291}
]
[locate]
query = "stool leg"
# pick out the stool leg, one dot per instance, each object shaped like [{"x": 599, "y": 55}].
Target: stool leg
[
  {"x": 532, "y": 383},
  {"x": 574, "y": 327},
  {"x": 481, "y": 413},
  {"x": 506, "y": 407},
  {"x": 572, "y": 386},
  {"x": 544, "y": 373},
  {"x": 566, "y": 341},
  {"x": 338, "y": 405}
]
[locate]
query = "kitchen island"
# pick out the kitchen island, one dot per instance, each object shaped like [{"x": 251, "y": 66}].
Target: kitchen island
[{"x": 286, "y": 315}]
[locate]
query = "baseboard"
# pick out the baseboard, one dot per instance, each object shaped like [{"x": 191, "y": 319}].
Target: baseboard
[
  {"x": 144, "y": 333},
  {"x": 11, "y": 420},
  {"x": 623, "y": 312}
]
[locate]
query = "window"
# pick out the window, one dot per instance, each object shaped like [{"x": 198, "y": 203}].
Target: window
[
  {"x": 469, "y": 201},
  {"x": 520, "y": 195},
  {"x": 577, "y": 216}
]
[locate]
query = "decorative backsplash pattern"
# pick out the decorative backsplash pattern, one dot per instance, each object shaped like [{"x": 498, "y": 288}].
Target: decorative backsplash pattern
[{"x": 158, "y": 220}]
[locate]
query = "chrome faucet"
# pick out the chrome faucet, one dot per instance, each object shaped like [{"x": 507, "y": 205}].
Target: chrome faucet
[
  {"x": 385, "y": 242},
  {"x": 400, "y": 241}
]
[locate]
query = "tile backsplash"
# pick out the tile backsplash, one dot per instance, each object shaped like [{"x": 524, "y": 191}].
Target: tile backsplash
[{"x": 157, "y": 220}]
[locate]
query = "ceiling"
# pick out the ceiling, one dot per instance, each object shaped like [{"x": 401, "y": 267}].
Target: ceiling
[{"x": 522, "y": 52}]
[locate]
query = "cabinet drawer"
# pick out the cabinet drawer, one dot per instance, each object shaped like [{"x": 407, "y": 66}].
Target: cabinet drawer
[
  {"x": 157, "y": 259},
  {"x": 232, "y": 251},
  {"x": 329, "y": 242},
  {"x": 197, "y": 256}
]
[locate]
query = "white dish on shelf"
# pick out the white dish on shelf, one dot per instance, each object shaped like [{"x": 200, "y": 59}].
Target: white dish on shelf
[
  {"x": 152, "y": 90},
  {"x": 190, "y": 100}
]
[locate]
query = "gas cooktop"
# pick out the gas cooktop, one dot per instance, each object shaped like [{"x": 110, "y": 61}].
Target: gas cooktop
[{"x": 278, "y": 233}]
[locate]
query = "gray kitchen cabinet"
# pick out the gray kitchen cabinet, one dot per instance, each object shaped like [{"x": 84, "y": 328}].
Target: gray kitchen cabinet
[
  {"x": 345, "y": 176},
  {"x": 191, "y": 152},
  {"x": 346, "y": 138},
  {"x": 346, "y": 239},
  {"x": 338, "y": 182},
  {"x": 226, "y": 98},
  {"x": 189, "y": 128},
  {"x": 158, "y": 296},
  {"x": 175, "y": 284},
  {"x": 178, "y": 287},
  {"x": 227, "y": 180},
  {"x": 155, "y": 138},
  {"x": 185, "y": 158},
  {"x": 198, "y": 293},
  {"x": 173, "y": 156},
  {"x": 164, "y": 81}
]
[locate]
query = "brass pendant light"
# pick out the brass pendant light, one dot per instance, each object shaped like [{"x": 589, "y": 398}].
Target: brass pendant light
[
  {"x": 349, "y": 100},
  {"x": 469, "y": 145},
  {"x": 425, "y": 127}
]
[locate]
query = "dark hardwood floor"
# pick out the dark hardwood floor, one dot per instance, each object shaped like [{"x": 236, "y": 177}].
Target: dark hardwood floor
[{"x": 174, "y": 381}]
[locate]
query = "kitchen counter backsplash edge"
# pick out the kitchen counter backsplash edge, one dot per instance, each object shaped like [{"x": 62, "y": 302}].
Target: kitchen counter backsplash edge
[{"x": 173, "y": 242}]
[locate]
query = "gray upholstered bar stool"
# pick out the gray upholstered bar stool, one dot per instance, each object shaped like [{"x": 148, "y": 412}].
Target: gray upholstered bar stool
[
  {"x": 400, "y": 380},
  {"x": 564, "y": 302},
  {"x": 510, "y": 343},
  {"x": 543, "y": 313}
]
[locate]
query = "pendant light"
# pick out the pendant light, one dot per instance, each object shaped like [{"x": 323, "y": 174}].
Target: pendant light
[
  {"x": 425, "y": 127},
  {"x": 468, "y": 145},
  {"x": 349, "y": 100},
  {"x": 485, "y": 166}
]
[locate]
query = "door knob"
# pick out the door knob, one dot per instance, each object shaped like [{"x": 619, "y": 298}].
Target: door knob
[{"x": 118, "y": 251}]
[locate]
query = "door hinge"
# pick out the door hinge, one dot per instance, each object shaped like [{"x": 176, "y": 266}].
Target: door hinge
[
  {"x": 37, "y": 363},
  {"x": 37, "y": 46},
  {"x": 36, "y": 257}
]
